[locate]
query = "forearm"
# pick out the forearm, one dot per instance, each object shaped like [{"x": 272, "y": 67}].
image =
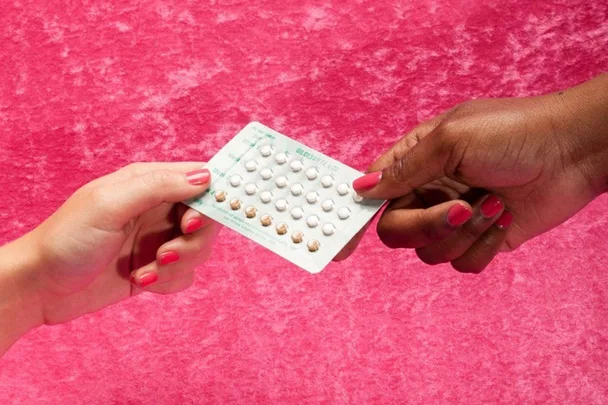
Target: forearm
[{"x": 19, "y": 309}]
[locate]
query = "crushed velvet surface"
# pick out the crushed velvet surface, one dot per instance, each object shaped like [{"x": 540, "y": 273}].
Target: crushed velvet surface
[{"x": 88, "y": 86}]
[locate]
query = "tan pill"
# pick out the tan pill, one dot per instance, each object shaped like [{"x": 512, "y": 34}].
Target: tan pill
[
  {"x": 220, "y": 196},
  {"x": 250, "y": 212},
  {"x": 313, "y": 245},
  {"x": 297, "y": 237},
  {"x": 266, "y": 220},
  {"x": 235, "y": 204},
  {"x": 281, "y": 229}
]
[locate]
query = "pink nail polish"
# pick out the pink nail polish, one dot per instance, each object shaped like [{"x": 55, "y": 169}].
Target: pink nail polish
[
  {"x": 490, "y": 206},
  {"x": 198, "y": 177},
  {"x": 367, "y": 182},
  {"x": 504, "y": 221},
  {"x": 458, "y": 215},
  {"x": 168, "y": 258},
  {"x": 193, "y": 224},
  {"x": 147, "y": 279}
]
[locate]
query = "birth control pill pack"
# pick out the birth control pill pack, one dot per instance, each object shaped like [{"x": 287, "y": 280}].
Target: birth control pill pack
[{"x": 289, "y": 198}]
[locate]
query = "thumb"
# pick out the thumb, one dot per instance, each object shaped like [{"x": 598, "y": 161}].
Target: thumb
[
  {"x": 422, "y": 164},
  {"x": 126, "y": 200}
]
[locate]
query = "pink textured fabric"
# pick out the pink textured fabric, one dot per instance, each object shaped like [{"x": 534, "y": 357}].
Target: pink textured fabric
[{"x": 88, "y": 86}]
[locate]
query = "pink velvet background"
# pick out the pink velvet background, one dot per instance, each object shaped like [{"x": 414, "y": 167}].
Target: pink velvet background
[{"x": 88, "y": 86}]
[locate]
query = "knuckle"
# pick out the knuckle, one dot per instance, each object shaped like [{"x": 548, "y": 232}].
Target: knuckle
[
  {"x": 412, "y": 140},
  {"x": 431, "y": 233},
  {"x": 488, "y": 243},
  {"x": 429, "y": 230},
  {"x": 450, "y": 128},
  {"x": 101, "y": 198},
  {"x": 401, "y": 147},
  {"x": 510, "y": 246},
  {"x": 468, "y": 233},
  {"x": 158, "y": 179},
  {"x": 134, "y": 169},
  {"x": 398, "y": 170},
  {"x": 102, "y": 206},
  {"x": 464, "y": 108},
  {"x": 466, "y": 105}
]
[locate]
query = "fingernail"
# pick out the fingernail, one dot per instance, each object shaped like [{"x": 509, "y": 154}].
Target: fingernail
[
  {"x": 198, "y": 177},
  {"x": 490, "y": 206},
  {"x": 147, "y": 279},
  {"x": 193, "y": 224},
  {"x": 168, "y": 258},
  {"x": 367, "y": 182},
  {"x": 458, "y": 215},
  {"x": 504, "y": 221}
]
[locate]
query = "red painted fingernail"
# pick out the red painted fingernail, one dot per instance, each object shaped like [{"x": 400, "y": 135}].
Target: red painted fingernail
[
  {"x": 367, "y": 182},
  {"x": 490, "y": 206},
  {"x": 504, "y": 221},
  {"x": 458, "y": 215},
  {"x": 168, "y": 258},
  {"x": 193, "y": 224},
  {"x": 147, "y": 279},
  {"x": 198, "y": 177}
]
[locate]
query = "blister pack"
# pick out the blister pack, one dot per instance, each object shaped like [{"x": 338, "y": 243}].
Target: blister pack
[{"x": 287, "y": 197}]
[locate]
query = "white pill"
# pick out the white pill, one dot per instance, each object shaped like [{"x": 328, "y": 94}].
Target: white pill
[
  {"x": 312, "y": 221},
  {"x": 312, "y": 197},
  {"x": 312, "y": 173},
  {"x": 297, "y": 213},
  {"x": 251, "y": 165},
  {"x": 329, "y": 229},
  {"x": 280, "y": 158},
  {"x": 296, "y": 189},
  {"x": 296, "y": 165},
  {"x": 281, "y": 205},
  {"x": 357, "y": 198},
  {"x": 343, "y": 213},
  {"x": 266, "y": 196},
  {"x": 342, "y": 188},
  {"x": 327, "y": 205},
  {"x": 281, "y": 181},
  {"x": 250, "y": 189},
  {"x": 266, "y": 150},
  {"x": 266, "y": 173},
  {"x": 235, "y": 180},
  {"x": 327, "y": 181}
]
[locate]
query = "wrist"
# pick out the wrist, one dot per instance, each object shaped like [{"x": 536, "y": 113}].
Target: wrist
[
  {"x": 20, "y": 309},
  {"x": 601, "y": 164},
  {"x": 583, "y": 127}
]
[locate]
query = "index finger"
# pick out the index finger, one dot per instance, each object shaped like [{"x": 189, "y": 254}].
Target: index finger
[
  {"x": 139, "y": 168},
  {"x": 407, "y": 142},
  {"x": 398, "y": 150}
]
